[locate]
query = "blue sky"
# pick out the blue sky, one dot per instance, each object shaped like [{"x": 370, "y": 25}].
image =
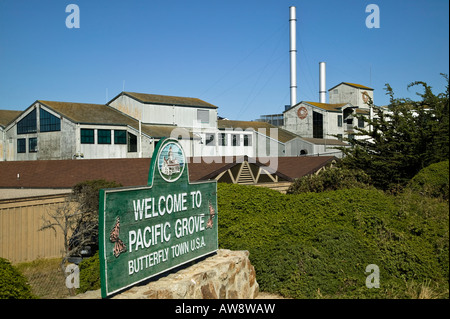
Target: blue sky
[{"x": 233, "y": 54}]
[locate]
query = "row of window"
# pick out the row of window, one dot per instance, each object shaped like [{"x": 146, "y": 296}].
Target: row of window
[
  {"x": 223, "y": 140},
  {"x": 87, "y": 136},
  {"x": 103, "y": 136},
  {"x": 47, "y": 123},
  {"x": 22, "y": 145}
]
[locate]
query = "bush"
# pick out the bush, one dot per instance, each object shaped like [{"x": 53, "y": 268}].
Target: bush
[
  {"x": 315, "y": 245},
  {"x": 89, "y": 274},
  {"x": 13, "y": 285},
  {"x": 432, "y": 181},
  {"x": 330, "y": 179}
]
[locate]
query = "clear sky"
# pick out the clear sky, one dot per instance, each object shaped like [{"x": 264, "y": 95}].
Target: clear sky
[{"x": 233, "y": 54}]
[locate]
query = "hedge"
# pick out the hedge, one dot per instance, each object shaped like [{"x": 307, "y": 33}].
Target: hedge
[
  {"x": 318, "y": 244},
  {"x": 13, "y": 285}
]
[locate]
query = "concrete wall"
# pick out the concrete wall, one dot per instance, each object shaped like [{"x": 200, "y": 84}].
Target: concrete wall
[
  {"x": 347, "y": 94},
  {"x": 299, "y": 147},
  {"x": 182, "y": 116},
  {"x": 2, "y": 144},
  {"x": 302, "y": 127},
  {"x": 225, "y": 275},
  {"x": 96, "y": 150}
]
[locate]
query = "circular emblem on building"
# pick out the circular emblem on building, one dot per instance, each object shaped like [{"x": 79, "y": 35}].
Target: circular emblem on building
[
  {"x": 171, "y": 161},
  {"x": 302, "y": 112},
  {"x": 365, "y": 97}
]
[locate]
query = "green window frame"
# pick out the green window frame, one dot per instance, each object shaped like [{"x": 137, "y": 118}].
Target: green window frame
[
  {"x": 28, "y": 124},
  {"x": 48, "y": 122},
  {"x": 21, "y": 145},
  {"x": 120, "y": 137},
  {"x": 32, "y": 145},
  {"x": 103, "y": 136},
  {"x": 87, "y": 136}
]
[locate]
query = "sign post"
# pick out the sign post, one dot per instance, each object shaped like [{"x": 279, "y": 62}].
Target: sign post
[{"x": 145, "y": 231}]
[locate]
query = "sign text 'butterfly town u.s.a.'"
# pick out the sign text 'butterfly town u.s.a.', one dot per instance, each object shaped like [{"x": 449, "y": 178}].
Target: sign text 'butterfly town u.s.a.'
[{"x": 145, "y": 231}]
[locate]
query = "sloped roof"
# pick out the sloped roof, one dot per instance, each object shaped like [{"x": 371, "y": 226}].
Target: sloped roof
[
  {"x": 324, "y": 141},
  {"x": 327, "y": 106},
  {"x": 358, "y": 86},
  {"x": 87, "y": 113},
  {"x": 166, "y": 100},
  {"x": 324, "y": 106},
  {"x": 7, "y": 116},
  {"x": 100, "y": 114},
  {"x": 283, "y": 135},
  {"x": 134, "y": 171},
  {"x": 288, "y": 168}
]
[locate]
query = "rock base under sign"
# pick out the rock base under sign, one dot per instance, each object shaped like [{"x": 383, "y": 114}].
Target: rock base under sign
[{"x": 225, "y": 275}]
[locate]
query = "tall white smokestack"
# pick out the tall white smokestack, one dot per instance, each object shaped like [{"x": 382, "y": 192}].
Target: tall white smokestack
[
  {"x": 293, "y": 54},
  {"x": 322, "y": 83}
]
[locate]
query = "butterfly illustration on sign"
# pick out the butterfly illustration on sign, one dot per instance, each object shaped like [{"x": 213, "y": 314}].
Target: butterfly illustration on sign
[
  {"x": 119, "y": 246},
  {"x": 210, "y": 222}
]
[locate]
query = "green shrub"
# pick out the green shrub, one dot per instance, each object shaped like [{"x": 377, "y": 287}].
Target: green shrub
[
  {"x": 89, "y": 274},
  {"x": 330, "y": 179},
  {"x": 432, "y": 181},
  {"x": 13, "y": 285},
  {"x": 317, "y": 245}
]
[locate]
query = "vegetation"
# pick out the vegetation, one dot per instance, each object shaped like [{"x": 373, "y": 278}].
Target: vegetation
[
  {"x": 331, "y": 179},
  {"x": 13, "y": 285},
  {"x": 410, "y": 136},
  {"x": 89, "y": 274},
  {"x": 317, "y": 245},
  {"x": 432, "y": 181}
]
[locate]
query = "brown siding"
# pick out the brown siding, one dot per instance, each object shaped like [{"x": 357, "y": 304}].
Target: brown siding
[{"x": 20, "y": 238}]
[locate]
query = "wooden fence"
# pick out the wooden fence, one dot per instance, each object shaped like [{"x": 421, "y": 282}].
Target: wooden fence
[{"x": 20, "y": 220}]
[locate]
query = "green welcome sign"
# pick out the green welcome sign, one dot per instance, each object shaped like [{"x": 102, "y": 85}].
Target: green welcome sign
[{"x": 144, "y": 231}]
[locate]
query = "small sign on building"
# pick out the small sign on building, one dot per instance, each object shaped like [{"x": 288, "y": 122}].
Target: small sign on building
[{"x": 145, "y": 231}]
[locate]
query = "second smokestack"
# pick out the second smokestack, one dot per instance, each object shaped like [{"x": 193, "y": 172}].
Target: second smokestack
[
  {"x": 293, "y": 54},
  {"x": 322, "y": 83}
]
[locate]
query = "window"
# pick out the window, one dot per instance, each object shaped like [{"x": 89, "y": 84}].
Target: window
[
  {"x": 203, "y": 116},
  {"x": 222, "y": 139},
  {"x": 317, "y": 125},
  {"x": 120, "y": 137},
  {"x": 340, "y": 120},
  {"x": 32, "y": 144},
  {"x": 210, "y": 140},
  {"x": 132, "y": 143},
  {"x": 247, "y": 140},
  {"x": 27, "y": 124},
  {"x": 87, "y": 136},
  {"x": 360, "y": 122},
  {"x": 104, "y": 136},
  {"x": 48, "y": 122},
  {"x": 21, "y": 145},
  {"x": 236, "y": 139}
]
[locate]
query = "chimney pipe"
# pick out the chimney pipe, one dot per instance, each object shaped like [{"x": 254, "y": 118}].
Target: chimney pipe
[
  {"x": 293, "y": 54},
  {"x": 322, "y": 83}
]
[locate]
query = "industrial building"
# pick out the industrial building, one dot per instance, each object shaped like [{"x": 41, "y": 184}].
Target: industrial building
[{"x": 129, "y": 126}]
